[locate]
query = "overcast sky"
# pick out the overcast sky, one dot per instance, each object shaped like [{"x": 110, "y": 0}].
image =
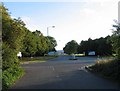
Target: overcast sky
[{"x": 72, "y": 20}]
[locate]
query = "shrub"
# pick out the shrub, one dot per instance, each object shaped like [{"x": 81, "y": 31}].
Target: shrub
[
  {"x": 10, "y": 75},
  {"x": 9, "y": 57},
  {"x": 108, "y": 68}
]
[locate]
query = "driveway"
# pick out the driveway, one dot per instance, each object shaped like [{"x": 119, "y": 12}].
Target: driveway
[{"x": 61, "y": 73}]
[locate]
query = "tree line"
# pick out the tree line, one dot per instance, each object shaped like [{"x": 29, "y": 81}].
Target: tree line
[
  {"x": 103, "y": 46},
  {"x": 17, "y": 37},
  {"x": 36, "y": 44}
]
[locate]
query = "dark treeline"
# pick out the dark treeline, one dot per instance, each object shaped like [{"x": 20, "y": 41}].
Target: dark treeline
[{"x": 101, "y": 46}]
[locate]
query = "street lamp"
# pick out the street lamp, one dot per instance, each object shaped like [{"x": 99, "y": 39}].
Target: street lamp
[{"x": 48, "y": 29}]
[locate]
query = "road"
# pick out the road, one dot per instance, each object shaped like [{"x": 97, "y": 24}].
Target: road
[{"x": 61, "y": 73}]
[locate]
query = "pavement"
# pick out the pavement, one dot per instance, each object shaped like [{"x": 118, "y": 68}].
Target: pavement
[{"x": 62, "y": 73}]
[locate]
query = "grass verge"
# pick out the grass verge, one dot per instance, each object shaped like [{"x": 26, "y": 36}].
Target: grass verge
[
  {"x": 0, "y": 79},
  {"x": 36, "y": 59},
  {"x": 107, "y": 68}
]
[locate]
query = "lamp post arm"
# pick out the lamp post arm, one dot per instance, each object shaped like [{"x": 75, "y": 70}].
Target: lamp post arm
[{"x": 48, "y": 29}]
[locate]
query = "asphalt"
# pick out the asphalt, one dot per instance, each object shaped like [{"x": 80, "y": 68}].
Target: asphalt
[{"x": 62, "y": 73}]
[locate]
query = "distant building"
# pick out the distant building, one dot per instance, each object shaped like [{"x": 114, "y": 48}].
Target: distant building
[
  {"x": 51, "y": 53},
  {"x": 58, "y": 52}
]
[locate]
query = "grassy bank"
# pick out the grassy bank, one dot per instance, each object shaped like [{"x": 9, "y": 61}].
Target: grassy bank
[
  {"x": 36, "y": 59},
  {"x": 107, "y": 68},
  {"x": 10, "y": 75}
]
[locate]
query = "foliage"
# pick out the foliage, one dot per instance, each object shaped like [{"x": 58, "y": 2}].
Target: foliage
[
  {"x": 13, "y": 33},
  {"x": 42, "y": 45},
  {"x": 51, "y": 43},
  {"x": 101, "y": 46},
  {"x": 12, "y": 37},
  {"x": 71, "y": 47},
  {"x": 110, "y": 68},
  {"x": 107, "y": 68},
  {"x": 16, "y": 37},
  {"x": 10, "y": 76},
  {"x": 35, "y": 44},
  {"x": 116, "y": 40},
  {"x": 29, "y": 44},
  {"x": 9, "y": 58}
]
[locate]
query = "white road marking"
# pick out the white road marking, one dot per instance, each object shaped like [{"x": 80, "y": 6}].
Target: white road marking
[
  {"x": 82, "y": 69},
  {"x": 53, "y": 68}
]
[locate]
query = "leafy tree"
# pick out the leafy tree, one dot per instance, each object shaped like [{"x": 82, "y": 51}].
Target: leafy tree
[
  {"x": 52, "y": 43},
  {"x": 36, "y": 44},
  {"x": 71, "y": 47},
  {"x": 12, "y": 38},
  {"x": 42, "y": 46},
  {"x": 102, "y": 46},
  {"x": 116, "y": 39},
  {"x": 29, "y": 44}
]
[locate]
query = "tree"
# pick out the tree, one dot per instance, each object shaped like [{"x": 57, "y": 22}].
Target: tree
[
  {"x": 52, "y": 43},
  {"x": 12, "y": 38},
  {"x": 102, "y": 46},
  {"x": 116, "y": 39},
  {"x": 71, "y": 47},
  {"x": 41, "y": 43},
  {"x": 36, "y": 44},
  {"x": 29, "y": 44}
]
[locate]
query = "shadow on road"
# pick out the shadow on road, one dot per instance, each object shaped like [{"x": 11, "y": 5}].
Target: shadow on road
[{"x": 73, "y": 80}]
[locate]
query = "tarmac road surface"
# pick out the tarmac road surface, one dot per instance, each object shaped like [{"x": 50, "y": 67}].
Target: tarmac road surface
[{"x": 61, "y": 73}]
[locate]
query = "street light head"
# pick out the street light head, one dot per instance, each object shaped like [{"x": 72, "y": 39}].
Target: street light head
[
  {"x": 48, "y": 29},
  {"x": 53, "y": 26}
]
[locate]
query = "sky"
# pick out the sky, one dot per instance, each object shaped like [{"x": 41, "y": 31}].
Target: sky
[{"x": 72, "y": 20}]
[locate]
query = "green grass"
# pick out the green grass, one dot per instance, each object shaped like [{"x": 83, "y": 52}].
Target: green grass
[
  {"x": 79, "y": 55},
  {"x": 0, "y": 78},
  {"x": 36, "y": 59},
  {"x": 107, "y": 69},
  {"x": 0, "y": 72}
]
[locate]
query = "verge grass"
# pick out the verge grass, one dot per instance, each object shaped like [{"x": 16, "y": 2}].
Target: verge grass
[
  {"x": 36, "y": 59},
  {"x": 107, "y": 68}
]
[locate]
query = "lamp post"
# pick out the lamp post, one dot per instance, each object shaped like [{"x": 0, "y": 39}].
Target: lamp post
[
  {"x": 48, "y": 29},
  {"x": 48, "y": 33}
]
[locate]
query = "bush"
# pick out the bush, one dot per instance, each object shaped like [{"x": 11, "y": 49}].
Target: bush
[
  {"x": 9, "y": 57},
  {"x": 10, "y": 75},
  {"x": 108, "y": 68}
]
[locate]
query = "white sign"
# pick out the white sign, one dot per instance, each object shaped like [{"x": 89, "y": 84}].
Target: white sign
[
  {"x": 92, "y": 53},
  {"x": 19, "y": 54}
]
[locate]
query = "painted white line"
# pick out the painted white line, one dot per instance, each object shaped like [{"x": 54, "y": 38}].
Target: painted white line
[
  {"x": 53, "y": 68},
  {"x": 82, "y": 69}
]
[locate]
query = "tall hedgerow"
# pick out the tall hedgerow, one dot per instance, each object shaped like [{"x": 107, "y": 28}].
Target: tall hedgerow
[{"x": 12, "y": 36}]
